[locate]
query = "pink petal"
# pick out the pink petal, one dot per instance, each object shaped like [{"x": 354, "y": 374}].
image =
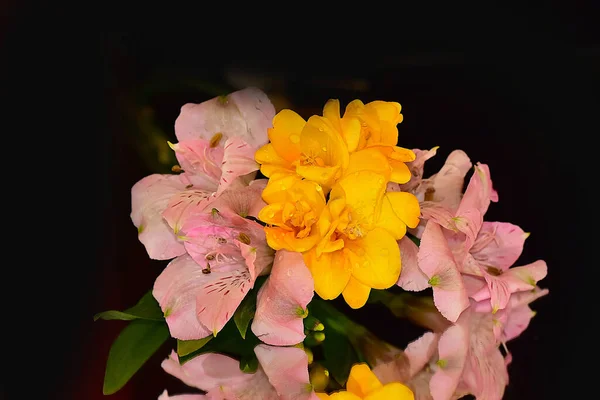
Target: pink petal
[
  {"x": 419, "y": 385},
  {"x": 243, "y": 201},
  {"x": 448, "y": 183},
  {"x": 486, "y": 375},
  {"x": 437, "y": 263},
  {"x": 524, "y": 298},
  {"x": 416, "y": 169},
  {"x": 479, "y": 192},
  {"x": 149, "y": 198},
  {"x": 514, "y": 280},
  {"x": 287, "y": 370},
  {"x": 207, "y": 371},
  {"x": 411, "y": 278},
  {"x": 453, "y": 347},
  {"x": 473, "y": 284},
  {"x": 238, "y": 160},
  {"x": 282, "y": 301},
  {"x": 499, "y": 244},
  {"x": 176, "y": 289},
  {"x": 517, "y": 321},
  {"x": 186, "y": 204},
  {"x": 165, "y": 396},
  {"x": 420, "y": 351},
  {"x": 199, "y": 158},
  {"x": 246, "y": 114}
]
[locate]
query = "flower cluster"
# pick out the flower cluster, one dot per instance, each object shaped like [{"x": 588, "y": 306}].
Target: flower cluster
[{"x": 340, "y": 209}]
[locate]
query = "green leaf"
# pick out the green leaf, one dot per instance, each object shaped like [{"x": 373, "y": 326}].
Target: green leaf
[
  {"x": 244, "y": 314},
  {"x": 245, "y": 311},
  {"x": 249, "y": 363},
  {"x": 185, "y": 347},
  {"x": 147, "y": 308},
  {"x": 132, "y": 348},
  {"x": 229, "y": 342},
  {"x": 415, "y": 239},
  {"x": 339, "y": 355}
]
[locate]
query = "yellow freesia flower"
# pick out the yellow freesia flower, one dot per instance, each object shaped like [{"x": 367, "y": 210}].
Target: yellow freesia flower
[
  {"x": 359, "y": 229},
  {"x": 312, "y": 149},
  {"x": 293, "y": 209},
  {"x": 373, "y": 126},
  {"x": 362, "y": 384}
]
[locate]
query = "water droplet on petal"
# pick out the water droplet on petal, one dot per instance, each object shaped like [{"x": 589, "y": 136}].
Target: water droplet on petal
[
  {"x": 294, "y": 139},
  {"x": 324, "y": 148},
  {"x": 320, "y": 129}
]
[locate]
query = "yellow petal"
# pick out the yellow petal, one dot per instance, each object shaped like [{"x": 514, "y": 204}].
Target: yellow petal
[
  {"x": 321, "y": 140},
  {"x": 270, "y": 161},
  {"x": 351, "y": 133},
  {"x": 400, "y": 172},
  {"x": 343, "y": 395},
  {"x": 363, "y": 192},
  {"x": 389, "y": 133},
  {"x": 369, "y": 160},
  {"x": 374, "y": 259},
  {"x": 323, "y": 396},
  {"x": 356, "y": 294},
  {"x": 405, "y": 207},
  {"x": 329, "y": 272},
  {"x": 285, "y": 134},
  {"x": 402, "y": 154},
  {"x": 278, "y": 185},
  {"x": 331, "y": 111},
  {"x": 324, "y": 176},
  {"x": 279, "y": 238},
  {"x": 389, "y": 221},
  {"x": 362, "y": 380},
  {"x": 385, "y": 110},
  {"x": 395, "y": 390}
]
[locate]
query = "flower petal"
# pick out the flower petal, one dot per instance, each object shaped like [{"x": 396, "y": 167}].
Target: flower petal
[
  {"x": 348, "y": 127},
  {"x": 436, "y": 261},
  {"x": 416, "y": 169},
  {"x": 199, "y": 158},
  {"x": 449, "y": 181},
  {"x": 394, "y": 390},
  {"x": 246, "y": 114},
  {"x": 243, "y": 201},
  {"x": 369, "y": 160},
  {"x": 356, "y": 294},
  {"x": 271, "y": 162},
  {"x": 374, "y": 259},
  {"x": 499, "y": 244},
  {"x": 411, "y": 277},
  {"x": 149, "y": 198},
  {"x": 363, "y": 192},
  {"x": 281, "y": 302},
  {"x": 285, "y": 134},
  {"x": 238, "y": 160},
  {"x": 362, "y": 380},
  {"x": 329, "y": 271},
  {"x": 287, "y": 370},
  {"x": 175, "y": 289},
  {"x": 453, "y": 347}
]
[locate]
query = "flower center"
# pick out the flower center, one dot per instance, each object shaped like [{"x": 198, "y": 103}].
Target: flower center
[{"x": 299, "y": 217}]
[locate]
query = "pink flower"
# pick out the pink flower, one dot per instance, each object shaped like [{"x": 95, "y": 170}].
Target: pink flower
[
  {"x": 200, "y": 291},
  {"x": 218, "y": 139},
  {"x": 436, "y": 261},
  {"x": 411, "y": 277},
  {"x": 245, "y": 114},
  {"x": 282, "y": 374},
  {"x": 281, "y": 302},
  {"x": 149, "y": 198}
]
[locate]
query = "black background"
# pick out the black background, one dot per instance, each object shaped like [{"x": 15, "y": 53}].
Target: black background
[{"x": 513, "y": 87}]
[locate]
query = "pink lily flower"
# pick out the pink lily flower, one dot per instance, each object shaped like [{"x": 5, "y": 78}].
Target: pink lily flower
[
  {"x": 282, "y": 374},
  {"x": 282, "y": 301},
  {"x": 200, "y": 291},
  {"x": 436, "y": 261},
  {"x": 218, "y": 139}
]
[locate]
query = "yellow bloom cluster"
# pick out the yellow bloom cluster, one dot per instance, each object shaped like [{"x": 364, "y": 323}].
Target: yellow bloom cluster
[
  {"x": 363, "y": 385},
  {"x": 326, "y": 196}
]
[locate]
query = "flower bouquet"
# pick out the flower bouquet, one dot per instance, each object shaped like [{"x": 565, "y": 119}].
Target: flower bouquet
[{"x": 268, "y": 217}]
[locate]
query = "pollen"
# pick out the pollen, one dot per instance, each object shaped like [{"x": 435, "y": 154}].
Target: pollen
[{"x": 214, "y": 141}]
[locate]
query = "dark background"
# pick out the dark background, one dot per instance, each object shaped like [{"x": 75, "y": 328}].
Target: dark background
[{"x": 88, "y": 89}]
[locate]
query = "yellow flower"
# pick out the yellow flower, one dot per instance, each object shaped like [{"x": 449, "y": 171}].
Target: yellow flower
[
  {"x": 363, "y": 385},
  {"x": 373, "y": 126},
  {"x": 312, "y": 149},
  {"x": 293, "y": 208},
  {"x": 359, "y": 229}
]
